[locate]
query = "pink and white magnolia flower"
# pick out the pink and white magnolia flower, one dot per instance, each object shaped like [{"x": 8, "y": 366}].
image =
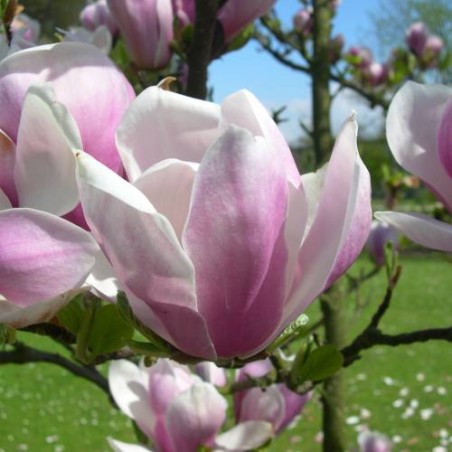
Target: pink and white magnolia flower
[
  {"x": 147, "y": 29},
  {"x": 419, "y": 133},
  {"x": 44, "y": 260},
  {"x": 217, "y": 240},
  {"x": 177, "y": 410},
  {"x": 42, "y": 126},
  {"x": 98, "y": 14},
  {"x": 276, "y": 403},
  {"x": 416, "y": 37}
]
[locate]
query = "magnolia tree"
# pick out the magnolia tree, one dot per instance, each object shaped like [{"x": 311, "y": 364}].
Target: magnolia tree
[{"x": 176, "y": 238}]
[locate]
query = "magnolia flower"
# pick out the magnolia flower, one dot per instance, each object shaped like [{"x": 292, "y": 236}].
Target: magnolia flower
[
  {"x": 380, "y": 235},
  {"x": 373, "y": 442},
  {"x": 176, "y": 410},
  {"x": 98, "y": 14},
  {"x": 234, "y": 15},
  {"x": 376, "y": 74},
  {"x": 218, "y": 241},
  {"x": 419, "y": 133},
  {"x": 43, "y": 261},
  {"x": 34, "y": 144},
  {"x": 276, "y": 403},
  {"x": 363, "y": 56},
  {"x": 147, "y": 29}
]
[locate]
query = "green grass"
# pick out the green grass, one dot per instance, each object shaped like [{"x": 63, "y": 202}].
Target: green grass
[{"x": 43, "y": 408}]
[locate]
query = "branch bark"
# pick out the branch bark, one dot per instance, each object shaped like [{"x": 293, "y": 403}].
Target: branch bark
[{"x": 200, "y": 52}]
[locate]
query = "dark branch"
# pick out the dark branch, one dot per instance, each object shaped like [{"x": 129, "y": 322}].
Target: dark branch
[
  {"x": 22, "y": 354},
  {"x": 200, "y": 52}
]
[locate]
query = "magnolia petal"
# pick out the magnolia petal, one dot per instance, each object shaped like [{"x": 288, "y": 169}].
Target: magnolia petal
[
  {"x": 248, "y": 435},
  {"x": 359, "y": 230},
  {"x": 129, "y": 389},
  {"x": 41, "y": 256},
  {"x": 263, "y": 405},
  {"x": 174, "y": 178},
  {"x": 235, "y": 238},
  {"x": 336, "y": 205},
  {"x": 445, "y": 138},
  {"x": 412, "y": 126},
  {"x": 244, "y": 110},
  {"x": 160, "y": 125},
  {"x": 102, "y": 279},
  {"x": 421, "y": 229},
  {"x": 195, "y": 417},
  {"x": 119, "y": 446},
  {"x": 98, "y": 103},
  {"x": 211, "y": 373},
  {"x": 17, "y": 317},
  {"x": 293, "y": 405},
  {"x": 235, "y": 15},
  {"x": 7, "y": 160},
  {"x": 47, "y": 139},
  {"x": 144, "y": 251}
]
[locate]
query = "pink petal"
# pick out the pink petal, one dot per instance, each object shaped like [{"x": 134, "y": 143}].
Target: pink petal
[
  {"x": 20, "y": 317},
  {"x": 336, "y": 204},
  {"x": 235, "y": 15},
  {"x": 412, "y": 127},
  {"x": 168, "y": 185},
  {"x": 195, "y": 417},
  {"x": 47, "y": 139},
  {"x": 263, "y": 405},
  {"x": 41, "y": 256},
  {"x": 235, "y": 238},
  {"x": 445, "y": 138},
  {"x": 211, "y": 373},
  {"x": 147, "y": 29},
  {"x": 85, "y": 80},
  {"x": 244, "y": 110},
  {"x": 145, "y": 253},
  {"x": 359, "y": 230},
  {"x": 293, "y": 405},
  {"x": 102, "y": 279},
  {"x": 245, "y": 436},
  {"x": 7, "y": 160},
  {"x": 129, "y": 389},
  {"x": 160, "y": 125},
  {"x": 420, "y": 228}
]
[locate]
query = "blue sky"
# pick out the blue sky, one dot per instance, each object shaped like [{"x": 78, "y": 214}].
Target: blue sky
[{"x": 276, "y": 85}]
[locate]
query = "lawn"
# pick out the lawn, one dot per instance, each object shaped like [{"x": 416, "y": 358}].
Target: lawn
[{"x": 404, "y": 392}]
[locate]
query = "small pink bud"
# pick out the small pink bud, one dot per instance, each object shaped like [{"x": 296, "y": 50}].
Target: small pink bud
[
  {"x": 336, "y": 46},
  {"x": 302, "y": 21},
  {"x": 380, "y": 235},
  {"x": 364, "y": 55},
  {"x": 416, "y": 36},
  {"x": 376, "y": 74}
]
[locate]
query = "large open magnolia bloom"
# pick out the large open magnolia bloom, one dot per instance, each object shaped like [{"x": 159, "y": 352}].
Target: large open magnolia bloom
[
  {"x": 218, "y": 241},
  {"x": 80, "y": 81},
  {"x": 178, "y": 411},
  {"x": 419, "y": 133},
  {"x": 43, "y": 261}
]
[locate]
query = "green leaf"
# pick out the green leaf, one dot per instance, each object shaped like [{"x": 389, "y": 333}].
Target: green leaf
[
  {"x": 126, "y": 311},
  {"x": 317, "y": 365},
  {"x": 72, "y": 314},
  {"x": 109, "y": 331}
]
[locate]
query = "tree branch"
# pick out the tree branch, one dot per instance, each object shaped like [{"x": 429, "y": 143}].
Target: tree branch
[
  {"x": 200, "y": 52},
  {"x": 22, "y": 354}
]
